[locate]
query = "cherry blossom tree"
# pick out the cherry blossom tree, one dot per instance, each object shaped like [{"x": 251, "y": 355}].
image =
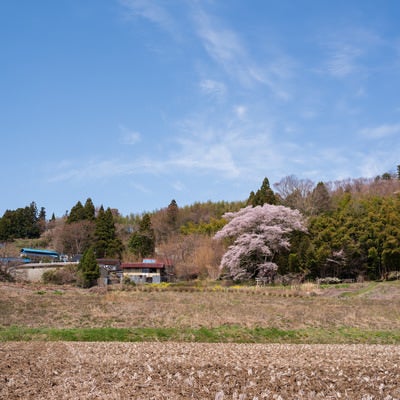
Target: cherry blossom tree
[{"x": 258, "y": 234}]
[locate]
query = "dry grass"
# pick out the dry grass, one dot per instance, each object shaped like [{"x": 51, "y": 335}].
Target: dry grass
[
  {"x": 170, "y": 370},
  {"x": 375, "y": 307},
  {"x": 34, "y": 370}
]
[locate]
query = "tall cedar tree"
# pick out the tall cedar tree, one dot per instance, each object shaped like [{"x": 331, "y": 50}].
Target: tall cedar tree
[
  {"x": 82, "y": 213},
  {"x": 76, "y": 214},
  {"x": 42, "y": 220},
  {"x": 172, "y": 215},
  {"x": 107, "y": 244},
  {"x": 88, "y": 269},
  {"x": 321, "y": 200},
  {"x": 90, "y": 211},
  {"x": 264, "y": 195},
  {"x": 142, "y": 242}
]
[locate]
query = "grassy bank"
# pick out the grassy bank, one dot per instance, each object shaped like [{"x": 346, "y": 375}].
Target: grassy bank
[
  {"x": 222, "y": 334},
  {"x": 355, "y": 313}
]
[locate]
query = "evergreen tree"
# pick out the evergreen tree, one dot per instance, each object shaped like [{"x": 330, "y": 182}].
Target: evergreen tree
[
  {"x": 42, "y": 220},
  {"x": 250, "y": 201},
  {"x": 6, "y": 226},
  {"x": 90, "y": 211},
  {"x": 264, "y": 195},
  {"x": 142, "y": 242},
  {"x": 77, "y": 213},
  {"x": 172, "y": 215},
  {"x": 107, "y": 244},
  {"x": 88, "y": 269},
  {"x": 20, "y": 223},
  {"x": 52, "y": 222},
  {"x": 82, "y": 213},
  {"x": 30, "y": 224},
  {"x": 320, "y": 199},
  {"x": 101, "y": 234}
]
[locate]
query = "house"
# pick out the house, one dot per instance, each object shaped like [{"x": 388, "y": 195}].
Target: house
[
  {"x": 148, "y": 271},
  {"x": 110, "y": 270}
]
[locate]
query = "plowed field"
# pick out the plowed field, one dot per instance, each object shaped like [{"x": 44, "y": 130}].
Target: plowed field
[{"x": 76, "y": 370}]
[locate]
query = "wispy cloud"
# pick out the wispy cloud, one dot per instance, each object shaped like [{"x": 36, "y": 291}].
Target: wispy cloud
[
  {"x": 179, "y": 186},
  {"x": 222, "y": 44},
  {"x": 129, "y": 137},
  {"x": 228, "y": 50},
  {"x": 232, "y": 141},
  {"x": 151, "y": 11},
  {"x": 228, "y": 149},
  {"x": 213, "y": 88},
  {"x": 342, "y": 61},
  {"x": 347, "y": 52},
  {"x": 381, "y": 131},
  {"x": 103, "y": 169},
  {"x": 203, "y": 148},
  {"x": 140, "y": 188},
  {"x": 240, "y": 111}
]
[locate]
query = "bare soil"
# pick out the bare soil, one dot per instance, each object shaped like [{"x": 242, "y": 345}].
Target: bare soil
[
  {"x": 168, "y": 370},
  {"x": 60, "y": 370}
]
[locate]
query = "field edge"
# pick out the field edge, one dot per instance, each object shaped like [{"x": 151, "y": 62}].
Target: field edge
[{"x": 220, "y": 334}]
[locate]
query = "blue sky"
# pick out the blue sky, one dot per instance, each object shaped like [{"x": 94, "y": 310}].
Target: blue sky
[{"x": 135, "y": 103}]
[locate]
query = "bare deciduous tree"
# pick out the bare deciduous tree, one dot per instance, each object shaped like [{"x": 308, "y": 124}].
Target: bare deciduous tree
[
  {"x": 77, "y": 236},
  {"x": 193, "y": 255}
]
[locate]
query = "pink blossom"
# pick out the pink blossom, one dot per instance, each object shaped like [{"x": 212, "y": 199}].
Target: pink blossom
[{"x": 258, "y": 233}]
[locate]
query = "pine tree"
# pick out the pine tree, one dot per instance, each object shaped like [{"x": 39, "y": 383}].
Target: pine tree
[
  {"x": 250, "y": 200},
  {"x": 107, "y": 243},
  {"x": 90, "y": 211},
  {"x": 88, "y": 269},
  {"x": 321, "y": 200},
  {"x": 82, "y": 213},
  {"x": 142, "y": 242},
  {"x": 77, "y": 213},
  {"x": 172, "y": 215},
  {"x": 264, "y": 195},
  {"x": 42, "y": 220}
]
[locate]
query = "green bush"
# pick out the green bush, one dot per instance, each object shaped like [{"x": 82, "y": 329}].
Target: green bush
[{"x": 88, "y": 269}]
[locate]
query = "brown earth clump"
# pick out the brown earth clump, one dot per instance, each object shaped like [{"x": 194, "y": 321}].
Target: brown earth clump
[{"x": 75, "y": 370}]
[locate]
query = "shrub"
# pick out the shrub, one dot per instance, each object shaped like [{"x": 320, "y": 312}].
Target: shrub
[
  {"x": 5, "y": 275},
  {"x": 393, "y": 275},
  {"x": 328, "y": 281},
  {"x": 61, "y": 276},
  {"x": 129, "y": 281}
]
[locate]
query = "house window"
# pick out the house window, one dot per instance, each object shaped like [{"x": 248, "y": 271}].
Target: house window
[{"x": 149, "y": 270}]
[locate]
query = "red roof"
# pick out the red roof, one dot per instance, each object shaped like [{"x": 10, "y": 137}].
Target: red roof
[
  {"x": 158, "y": 264},
  {"x": 143, "y": 265}
]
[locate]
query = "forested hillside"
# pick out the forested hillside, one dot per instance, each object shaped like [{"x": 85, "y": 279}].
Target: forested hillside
[{"x": 351, "y": 231}]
